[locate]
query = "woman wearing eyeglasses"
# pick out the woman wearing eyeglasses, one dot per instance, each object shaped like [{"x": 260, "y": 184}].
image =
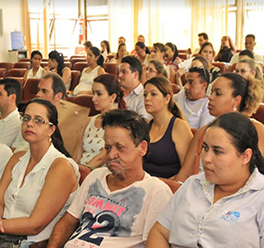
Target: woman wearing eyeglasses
[
  {"x": 38, "y": 185},
  {"x": 155, "y": 69},
  {"x": 247, "y": 67}
]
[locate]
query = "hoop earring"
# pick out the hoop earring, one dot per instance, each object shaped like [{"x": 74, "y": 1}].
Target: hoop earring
[
  {"x": 50, "y": 139},
  {"x": 234, "y": 108}
]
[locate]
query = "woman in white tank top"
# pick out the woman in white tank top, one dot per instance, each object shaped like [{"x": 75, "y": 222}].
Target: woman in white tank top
[
  {"x": 33, "y": 189},
  {"x": 95, "y": 62},
  {"x": 36, "y": 70}
]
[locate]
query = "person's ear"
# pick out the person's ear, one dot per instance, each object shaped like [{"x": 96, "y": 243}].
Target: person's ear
[
  {"x": 238, "y": 99},
  {"x": 58, "y": 96},
  {"x": 143, "y": 145},
  {"x": 246, "y": 156}
]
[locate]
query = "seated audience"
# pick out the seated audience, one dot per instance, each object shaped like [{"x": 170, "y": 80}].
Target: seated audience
[
  {"x": 170, "y": 135},
  {"x": 5, "y": 154},
  {"x": 56, "y": 64},
  {"x": 142, "y": 53},
  {"x": 130, "y": 71},
  {"x": 33, "y": 192},
  {"x": 36, "y": 70},
  {"x": 207, "y": 51},
  {"x": 10, "y": 91},
  {"x": 105, "y": 49},
  {"x": 107, "y": 95},
  {"x": 230, "y": 93},
  {"x": 158, "y": 53},
  {"x": 140, "y": 38},
  {"x": 115, "y": 206},
  {"x": 221, "y": 207},
  {"x": 250, "y": 43},
  {"x": 121, "y": 53},
  {"x": 171, "y": 57},
  {"x": 192, "y": 99},
  {"x": 227, "y": 50},
  {"x": 95, "y": 62},
  {"x": 87, "y": 45}
]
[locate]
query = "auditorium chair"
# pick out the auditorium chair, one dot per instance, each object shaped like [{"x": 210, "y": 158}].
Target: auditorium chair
[
  {"x": 75, "y": 60},
  {"x": 259, "y": 115},
  {"x": 220, "y": 65},
  {"x": 174, "y": 185},
  {"x": 2, "y": 72},
  {"x": 6, "y": 65},
  {"x": 86, "y": 101},
  {"x": 16, "y": 72},
  {"x": 79, "y": 66},
  {"x": 25, "y": 65},
  {"x": 111, "y": 68},
  {"x": 75, "y": 77},
  {"x": 30, "y": 89}
]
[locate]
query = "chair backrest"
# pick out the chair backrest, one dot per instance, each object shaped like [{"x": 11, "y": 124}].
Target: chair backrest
[
  {"x": 220, "y": 65},
  {"x": 6, "y": 65},
  {"x": 111, "y": 68},
  {"x": 231, "y": 68},
  {"x": 25, "y": 65},
  {"x": 19, "y": 79},
  {"x": 86, "y": 101},
  {"x": 75, "y": 60},
  {"x": 174, "y": 185},
  {"x": 43, "y": 63},
  {"x": 259, "y": 115},
  {"x": 84, "y": 171},
  {"x": 75, "y": 75},
  {"x": 16, "y": 72},
  {"x": 79, "y": 66},
  {"x": 77, "y": 57},
  {"x": 2, "y": 72},
  {"x": 183, "y": 56},
  {"x": 24, "y": 60},
  {"x": 67, "y": 64},
  {"x": 30, "y": 88}
]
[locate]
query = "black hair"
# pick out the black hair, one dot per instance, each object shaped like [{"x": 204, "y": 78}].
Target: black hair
[
  {"x": 165, "y": 87},
  {"x": 107, "y": 45},
  {"x": 96, "y": 52},
  {"x": 88, "y": 44},
  {"x": 111, "y": 84},
  {"x": 173, "y": 47},
  {"x": 129, "y": 120},
  {"x": 34, "y": 53},
  {"x": 160, "y": 46},
  {"x": 203, "y": 73},
  {"x": 247, "y": 52},
  {"x": 12, "y": 86},
  {"x": 243, "y": 136},
  {"x": 205, "y": 35},
  {"x": 57, "y": 83},
  {"x": 60, "y": 60},
  {"x": 134, "y": 64},
  {"x": 251, "y": 36},
  {"x": 53, "y": 118},
  {"x": 143, "y": 46}
]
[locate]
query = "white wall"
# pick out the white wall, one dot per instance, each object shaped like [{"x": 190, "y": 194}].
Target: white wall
[{"x": 12, "y": 20}]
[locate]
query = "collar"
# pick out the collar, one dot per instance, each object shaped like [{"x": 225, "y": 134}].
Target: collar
[{"x": 11, "y": 115}]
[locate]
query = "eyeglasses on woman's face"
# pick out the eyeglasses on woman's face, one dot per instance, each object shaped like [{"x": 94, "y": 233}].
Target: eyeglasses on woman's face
[{"x": 37, "y": 119}]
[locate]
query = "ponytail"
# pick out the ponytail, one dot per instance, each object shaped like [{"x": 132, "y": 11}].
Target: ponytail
[
  {"x": 58, "y": 143},
  {"x": 100, "y": 60},
  {"x": 257, "y": 160}
]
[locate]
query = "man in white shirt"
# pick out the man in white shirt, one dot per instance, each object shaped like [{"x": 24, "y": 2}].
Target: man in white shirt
[
  {"x": 249, "y": 45},
  {"x": 10, "y": 91},
  {"x": 192, "y": 98},
  {"x": 115, "y": 206},
  {"x": 130, "y": 71}
]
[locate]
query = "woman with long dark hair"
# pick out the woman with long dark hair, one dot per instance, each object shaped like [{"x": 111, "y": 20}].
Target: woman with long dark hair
[{"x": 37, "y": 186}]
